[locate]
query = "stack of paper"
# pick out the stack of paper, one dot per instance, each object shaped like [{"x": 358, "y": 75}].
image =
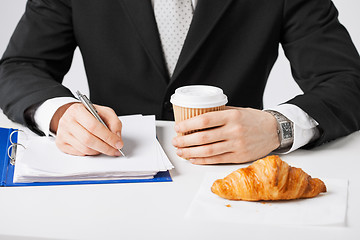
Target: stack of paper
[{"x": 42, "y": 161}]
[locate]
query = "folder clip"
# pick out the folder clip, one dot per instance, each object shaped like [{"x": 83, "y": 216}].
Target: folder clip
[{"x": 13, "y": 148}]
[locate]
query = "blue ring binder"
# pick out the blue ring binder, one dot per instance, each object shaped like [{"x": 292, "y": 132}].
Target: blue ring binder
[{"x": 7, "y": 169}]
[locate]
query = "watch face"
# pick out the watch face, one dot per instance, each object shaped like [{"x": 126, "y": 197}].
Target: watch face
[{"x": 287, "y": 131}]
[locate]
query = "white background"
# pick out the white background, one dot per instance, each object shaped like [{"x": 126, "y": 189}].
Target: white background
[
  {"x": 119, "y": 211},
  {"x": 281, "y": 86}
]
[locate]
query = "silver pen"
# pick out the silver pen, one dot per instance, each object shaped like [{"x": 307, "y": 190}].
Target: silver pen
[{"x": 90, "y": 107}]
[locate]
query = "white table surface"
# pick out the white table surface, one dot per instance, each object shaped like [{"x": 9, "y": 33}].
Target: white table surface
[{"x": 157, "y": 210}]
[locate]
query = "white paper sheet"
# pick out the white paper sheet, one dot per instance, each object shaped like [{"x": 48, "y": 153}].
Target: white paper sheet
[
  {"x": 326, "y": 209},
  {"x": 42, "y": 160}
]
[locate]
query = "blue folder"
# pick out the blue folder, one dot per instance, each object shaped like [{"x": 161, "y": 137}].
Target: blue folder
[{"x": 7, "y": 169}]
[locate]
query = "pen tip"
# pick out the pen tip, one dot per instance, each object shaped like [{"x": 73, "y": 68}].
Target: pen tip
[{"x": 122, "y": 153}]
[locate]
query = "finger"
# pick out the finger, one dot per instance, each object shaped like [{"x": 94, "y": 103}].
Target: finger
[
  {"x": 80, "y": 146},
  {"x": 111, "y": 119},
  {"x": 203, "y": 150},
  {"x": 203, "y": 121},
  {"x": 92, "y": 125},
  {"x": 200, "y": 138},
  {"x": 67, "y": 137},
  {"x": 86, "y": 140},
  {"x": 232, "y": 107},
  {"x": 68, "y": 149},
  {"x": 221, "y": 159},
  {"x": 70, "y": 145},
  {"x": 73, "y": 149},
  {"x": 218, "y": 159}
]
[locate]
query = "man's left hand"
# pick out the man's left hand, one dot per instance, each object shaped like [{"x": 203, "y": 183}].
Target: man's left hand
[{"x": 235, "y": 135}]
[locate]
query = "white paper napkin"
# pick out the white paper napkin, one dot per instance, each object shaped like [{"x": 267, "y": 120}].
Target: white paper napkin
[{"x": 326, "y": 209}]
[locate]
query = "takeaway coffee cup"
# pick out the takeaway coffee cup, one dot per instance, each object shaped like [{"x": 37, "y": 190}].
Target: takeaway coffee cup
[{"x": 193, "y": 100}]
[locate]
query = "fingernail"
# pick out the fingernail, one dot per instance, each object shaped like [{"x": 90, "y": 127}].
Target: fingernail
[
  {"x": 192, "y": 160},
  {"x": 119, "y": 134},
  {"x": 177, "y": 128},
  {"x": 179, "y": 152},
  {"x": 119, "y": 145}
]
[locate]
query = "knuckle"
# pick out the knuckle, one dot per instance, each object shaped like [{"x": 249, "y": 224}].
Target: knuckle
[
  {"x": 180, "y": 141},
  {"x": 115, "y": 125},
  {"x": 80, "y": 148},
  {"x": 106, "y": 109},
  {"x": 63, "y": 120},
  {"x": 111, "y": 111},
  {"x": 204, "y": 121},
  {"x": 209, "y": 151},
  {"x": 243, "y": 147},
  {"x": 74, "y": 108},
  {"x": 60, "y": 144},
  {"x": 222, "y": 159},
  {"x": 88, "y": 140},
  {"x": 198, "y": 161},
  {"x": 204, "y": 138},
  {"x": 245, "y": 153},
  {"x": 115, "y": 153},
  {"x": 92, "y": 125},
  {"x": 239, "y": 143},
  {"x": 185, "y": 152},
  {"x": 235, "y": 114},
  {"x": 59, "y": 133},
  {"x": 85, "y": 150},
  {"x": 61, "y": 138},
  {"x": 238, "y": 129},
  {"x": 89, "y": 151},
  {"x": 67, "y": 121},
  {"x": 108, "y": 138},
  {"x": 70, "y": 110},
  {"x": 120, "y": 125},
  {"x": 204, "y": 161}
]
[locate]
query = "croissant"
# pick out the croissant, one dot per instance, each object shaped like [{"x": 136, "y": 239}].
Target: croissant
[{"x": 269, "y": 178}]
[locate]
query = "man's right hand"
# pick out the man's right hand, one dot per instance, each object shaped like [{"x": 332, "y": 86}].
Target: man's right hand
[{"x": 78, "y": 132}]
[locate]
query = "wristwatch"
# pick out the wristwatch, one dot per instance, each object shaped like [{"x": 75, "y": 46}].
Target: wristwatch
[{"x": 285, "y": 130}]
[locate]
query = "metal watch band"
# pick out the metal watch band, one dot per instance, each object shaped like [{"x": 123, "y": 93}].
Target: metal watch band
[{"x": 285, "y": 130}]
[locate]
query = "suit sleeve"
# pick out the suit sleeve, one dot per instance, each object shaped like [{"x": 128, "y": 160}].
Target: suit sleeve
[
  {"x": 325, "y": 64},
  {"x": 38, "y": 56}
]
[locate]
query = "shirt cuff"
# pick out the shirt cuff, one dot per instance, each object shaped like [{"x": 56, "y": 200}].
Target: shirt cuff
[
  {"x": 305, "y": 127},
  {"x": 46, "y": 111}
]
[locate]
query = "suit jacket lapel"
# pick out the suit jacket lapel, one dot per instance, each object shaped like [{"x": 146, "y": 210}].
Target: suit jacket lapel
[
  {"x": 206, "y": 15},
  {"x": 141, "y": 14}
]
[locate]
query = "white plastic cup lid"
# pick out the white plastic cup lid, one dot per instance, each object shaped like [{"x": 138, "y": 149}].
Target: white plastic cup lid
[{"x": 199, "y": 96}]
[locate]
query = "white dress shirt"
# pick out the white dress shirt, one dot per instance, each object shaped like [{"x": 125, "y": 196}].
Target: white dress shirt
[{"x": 304, "y": 125}]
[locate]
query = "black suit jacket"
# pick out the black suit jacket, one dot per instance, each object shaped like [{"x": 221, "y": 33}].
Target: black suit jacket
[{"x": 231, "y": 44}]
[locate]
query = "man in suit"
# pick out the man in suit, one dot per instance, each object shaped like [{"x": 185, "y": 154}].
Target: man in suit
[{"x": 231, "y": 44}]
